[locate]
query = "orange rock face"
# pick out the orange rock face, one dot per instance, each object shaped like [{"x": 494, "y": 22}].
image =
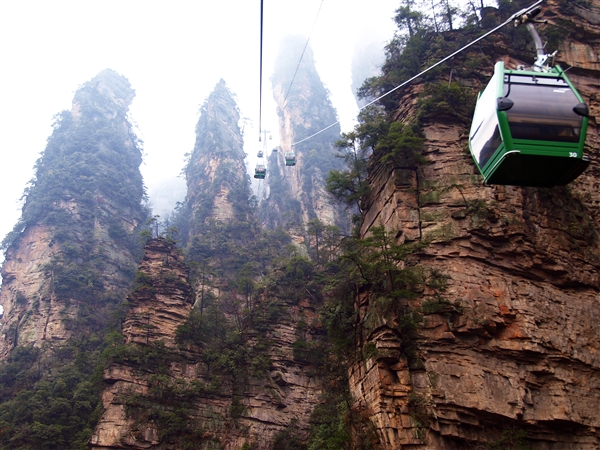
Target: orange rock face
[
  {"x": 93, "y": 225},
  {"x": 266, "y": 403},
  {"x": 516, "y": 357},
  {"x": 24, "y": 285},
  {"x": 157, "y": 308}
]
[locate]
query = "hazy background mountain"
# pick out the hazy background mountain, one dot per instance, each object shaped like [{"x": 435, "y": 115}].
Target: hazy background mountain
[{"x": 173, "y": 54}]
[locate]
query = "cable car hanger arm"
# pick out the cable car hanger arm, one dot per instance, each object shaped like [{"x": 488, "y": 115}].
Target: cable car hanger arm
[{"x": 529, "y": 19}]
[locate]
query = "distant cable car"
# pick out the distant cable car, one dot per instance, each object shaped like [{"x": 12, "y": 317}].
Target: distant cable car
[
  {"x": 290, "y": 159},
  {"x": 529, "y": 126},
  {"x": 260, "y": 171},
  {"x": 260, "y": 154}
]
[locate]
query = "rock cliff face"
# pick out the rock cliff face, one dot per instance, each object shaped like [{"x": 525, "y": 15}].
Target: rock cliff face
[
  {"x": 227, "y": 349},
  {"x": 158, "y": 381},
  {"x": 304, "y": 108},
  {"x": 215, "y": 174},
  {"x": 510, "y": 355},
  {"x": 71, "y": 254},
  {"x": 160, "y": 302},
  {"x": 162, "y": 297},
  {"x": 217, "y": 366}
]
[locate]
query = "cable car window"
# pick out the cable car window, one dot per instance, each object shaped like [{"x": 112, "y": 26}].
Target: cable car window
[
  {"x": 543, "y": 109},
  {"x": 485, "y": 103},
  {"x": 485, "y": 136},
  {"x": 486, "y": 140}
]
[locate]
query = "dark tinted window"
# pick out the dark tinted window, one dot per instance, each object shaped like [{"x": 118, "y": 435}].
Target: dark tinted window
[{"x": 543, "y": 109}]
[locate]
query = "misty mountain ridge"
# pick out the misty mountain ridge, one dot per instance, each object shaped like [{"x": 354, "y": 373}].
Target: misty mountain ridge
[{"x": 373, "y": 296}]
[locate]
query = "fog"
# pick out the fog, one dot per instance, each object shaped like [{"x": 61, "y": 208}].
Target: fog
[{"x": 173, "y": 53}]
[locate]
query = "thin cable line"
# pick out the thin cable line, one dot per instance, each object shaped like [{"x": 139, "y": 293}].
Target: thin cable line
[
  {"x": 302, "y": 55},
  {"x": 261, "y": 72},
  {"x": 513, "y": 17}
]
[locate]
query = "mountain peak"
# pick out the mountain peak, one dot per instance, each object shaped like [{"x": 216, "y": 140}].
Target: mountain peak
[{"x": 107, "y": 90}]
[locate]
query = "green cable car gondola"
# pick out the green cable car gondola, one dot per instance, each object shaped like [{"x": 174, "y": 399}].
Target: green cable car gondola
[
  {"x": 260, "y": 172},
  {"x": 529, "y": 126},
  {"x": 529, "y": 129},
  {"x": 290, "y": 159}
]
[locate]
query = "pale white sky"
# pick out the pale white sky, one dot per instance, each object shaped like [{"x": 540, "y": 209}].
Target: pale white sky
[{"x": 173, "y": 53}]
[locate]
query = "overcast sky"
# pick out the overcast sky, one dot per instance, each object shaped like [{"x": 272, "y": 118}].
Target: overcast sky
[{"x": 173, "y": 53}]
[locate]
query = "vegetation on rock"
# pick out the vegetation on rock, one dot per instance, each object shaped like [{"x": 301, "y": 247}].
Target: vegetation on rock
[
  {"x": 87, "y": 191},
  {"x": 342, "y": 300}
]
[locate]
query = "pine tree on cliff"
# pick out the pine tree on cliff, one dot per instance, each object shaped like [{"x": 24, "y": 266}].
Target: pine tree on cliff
[{"x": 69, "y": 262}]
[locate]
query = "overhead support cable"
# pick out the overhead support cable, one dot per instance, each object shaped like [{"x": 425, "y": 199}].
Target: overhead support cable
[
  {"x": 510, "y": 20},
  {"x": 302, "y": 55},
  {"x": 261, "y": 72}
]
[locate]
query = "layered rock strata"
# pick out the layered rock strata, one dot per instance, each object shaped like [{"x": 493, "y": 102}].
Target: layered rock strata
[
  {"x": 283, "y": 396},
  {"x": 161, "y": 300},
  {"x": 73, "y": 246},
  {"x": 510, "y": 355},
  {"x": 221, "y": 368}
]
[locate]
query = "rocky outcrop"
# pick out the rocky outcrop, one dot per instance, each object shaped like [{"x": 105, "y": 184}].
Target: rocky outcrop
[
  {"x": 160, "y": 302},
  {"x": 508, "y": 355},
  {"x": 297, "y": 193},
  {"x": 217, "y": 183},
  {"x": 73, "y": 243},
  {"x": 225, "y": 372},
  {"x": 23, "y": 277},
  {"x": 157, "y": 377},
  {"x": 162, "y": 298}
]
